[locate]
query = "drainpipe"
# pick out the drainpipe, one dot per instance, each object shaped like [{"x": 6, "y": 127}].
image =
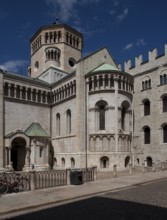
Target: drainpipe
[{"x": 86, "y": 125}]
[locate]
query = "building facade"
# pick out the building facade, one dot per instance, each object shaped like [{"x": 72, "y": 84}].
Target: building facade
[{"x": 79, "y": 112}]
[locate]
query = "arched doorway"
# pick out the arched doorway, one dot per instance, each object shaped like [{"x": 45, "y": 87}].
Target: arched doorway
[
  {"x": 127, "y": 161},
  {"x": 104, "y": 162},
  {"x": 18, "y": 153},
  {"x": 149, "y": 161}
]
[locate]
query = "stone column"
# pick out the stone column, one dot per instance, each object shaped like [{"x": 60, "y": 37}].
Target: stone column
[
  {"x": 103, "y": 81},
  {"x": 162, "y": 166},
  {"x": 26, "y": 94},
  {"x": 15, "y": 91},
  {"x": 9, "y": 90},
  {"x": 87, "y": 84},
  {"x": 130, "y": 168},
  {"x": 33, "y": 151},
  {"x": 68, "y": 177},
  {"x": 93, "y": 83},
  {"x": 9, "y": 86},
  {"x": 153, "y": 167},
  {"x": 27, "y": 159},
  {"x": 21, "y": 93},
  {"x": 109, "y": 81},
  {"x": 9, "y": 151},
  {"x": 115, "y": 170},
  {"x": 98, "y": 85}
]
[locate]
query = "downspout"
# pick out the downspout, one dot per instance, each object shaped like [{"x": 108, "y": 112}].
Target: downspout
[
  {"x": 132, "y": 143},
  {"x": 86, "y": 126},
  {"x": 50, "y": 132}
]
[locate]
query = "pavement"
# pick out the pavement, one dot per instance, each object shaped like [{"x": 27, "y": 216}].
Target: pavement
[{"x": 39, "y": 199}]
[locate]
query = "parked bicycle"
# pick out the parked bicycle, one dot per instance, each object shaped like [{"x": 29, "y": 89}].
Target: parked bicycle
[{"x": 13, "y": 183}]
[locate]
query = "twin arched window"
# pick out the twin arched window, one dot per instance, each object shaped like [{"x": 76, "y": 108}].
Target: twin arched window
[
  {"x": 163, "y": 79},
  {"x": 146, "y": 84},
  {"x": 68, "y": 122}
]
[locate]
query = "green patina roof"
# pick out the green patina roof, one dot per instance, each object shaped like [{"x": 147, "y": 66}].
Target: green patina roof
[
  {"x": 36, "y": 130},
  {"x": 105, "y": 67}
]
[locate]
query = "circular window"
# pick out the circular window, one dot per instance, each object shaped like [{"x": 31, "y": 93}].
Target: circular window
[
  {"x": 72, "y": 62},
  {"x": 36, "y": 66}
]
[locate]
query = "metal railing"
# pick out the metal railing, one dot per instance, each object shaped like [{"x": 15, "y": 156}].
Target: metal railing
[
  {"x": 51, "y": 178},
  {"x": 88, "y": 174}
]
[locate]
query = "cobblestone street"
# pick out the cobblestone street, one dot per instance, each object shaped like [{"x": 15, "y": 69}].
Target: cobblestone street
[
  {"x": 151, "y": 194},
  {"x": 140, "y": 202}
]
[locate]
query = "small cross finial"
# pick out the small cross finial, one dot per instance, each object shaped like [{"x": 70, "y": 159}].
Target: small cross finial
[{"x": 57, "y": 21}]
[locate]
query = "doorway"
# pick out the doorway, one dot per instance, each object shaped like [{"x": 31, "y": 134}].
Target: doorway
[{"x": 18, "y": 153}]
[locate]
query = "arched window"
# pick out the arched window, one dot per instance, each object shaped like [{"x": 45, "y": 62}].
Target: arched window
[
  {"x": 63, "y": 162},
  {"x": 147, "y": 107},
  {"x": 165, "y": 104},
  {"x": 165, "y": 134},
  {"x": 101, "y": 114},
  {"x": 104, "y": 162},
  {"x": 146, "y": 135},
  {"x": 68, "y": 113},
  {"x": 146, "y": 84},
  {"x": 58, "y": 124},
  {"x": 72, "y": 162},
  {"x": 123, "y": 117},
  {"x": 102, "y": 117}
]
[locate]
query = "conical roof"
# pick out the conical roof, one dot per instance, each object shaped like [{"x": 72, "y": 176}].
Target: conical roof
[
  {"x": 105, "y": 67},
  {"x": 36, "y": 130}
]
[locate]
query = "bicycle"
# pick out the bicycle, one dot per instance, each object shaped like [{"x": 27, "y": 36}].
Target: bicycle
[{"x": 19, "y": 184}]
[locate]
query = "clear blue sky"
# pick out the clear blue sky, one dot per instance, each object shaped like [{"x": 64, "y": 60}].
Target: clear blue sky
[{"x": 127, "y": 28}]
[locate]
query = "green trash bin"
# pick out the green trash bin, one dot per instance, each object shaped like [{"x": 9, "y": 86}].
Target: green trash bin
[{"x": 76, "y": 177}]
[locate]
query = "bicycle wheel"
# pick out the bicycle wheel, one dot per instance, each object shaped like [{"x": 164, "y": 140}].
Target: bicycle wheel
[
  {"x": 3, "y": 187},
  {"x": 24, "y": 184}
]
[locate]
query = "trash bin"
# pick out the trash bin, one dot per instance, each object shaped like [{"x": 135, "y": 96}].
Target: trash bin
[{"x": 76, "y": 177}]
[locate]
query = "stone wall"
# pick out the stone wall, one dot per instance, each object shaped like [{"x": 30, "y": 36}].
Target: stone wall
[{"x": 21, "y": 116}]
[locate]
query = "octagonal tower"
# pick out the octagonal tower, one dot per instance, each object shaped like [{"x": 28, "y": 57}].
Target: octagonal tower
[{"x": 56, "y": 45}]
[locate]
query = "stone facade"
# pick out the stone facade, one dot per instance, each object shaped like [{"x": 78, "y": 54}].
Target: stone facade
[
  {"x": 80, "y": 112},
  {"x": 149, "y": 93}
]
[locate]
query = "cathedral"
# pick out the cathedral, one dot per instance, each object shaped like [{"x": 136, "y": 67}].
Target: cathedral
[{"x": 77, "y": 112}]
